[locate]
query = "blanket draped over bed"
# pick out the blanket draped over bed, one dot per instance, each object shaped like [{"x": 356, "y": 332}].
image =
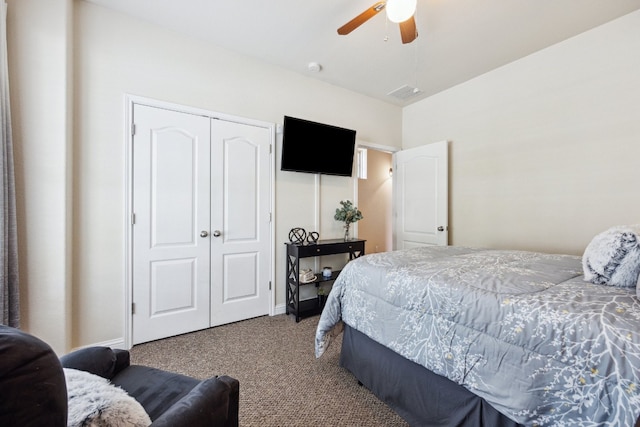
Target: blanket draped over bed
[{"x": 523, "y": 330}]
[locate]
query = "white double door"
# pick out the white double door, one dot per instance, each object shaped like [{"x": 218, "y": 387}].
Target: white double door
[{"x": 201, "y": 229}]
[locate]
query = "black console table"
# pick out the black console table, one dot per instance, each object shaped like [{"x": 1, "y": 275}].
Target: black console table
[{"x": 295, "y": 251}]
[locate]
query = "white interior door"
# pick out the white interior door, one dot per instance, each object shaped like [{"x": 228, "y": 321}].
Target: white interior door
[
  {"x": 420, "y": 177},
  {"x": 171, "y": 206},
  {"x": 240, "y": 206}
]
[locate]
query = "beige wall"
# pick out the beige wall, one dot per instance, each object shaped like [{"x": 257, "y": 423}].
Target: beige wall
[
  {"x": 543, "y": 151},
  {"x": 39, "y": 36},
  {"x": 73, "y": 186},
  {"x": 374, "y": 200}
]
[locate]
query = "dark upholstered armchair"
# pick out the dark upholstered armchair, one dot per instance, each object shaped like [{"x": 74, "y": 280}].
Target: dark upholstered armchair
[{"x": 33, "y": 391}]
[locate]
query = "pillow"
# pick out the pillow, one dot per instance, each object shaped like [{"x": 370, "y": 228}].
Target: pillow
[
  {"x": 613, "y": 257},
  {"x": 94, "y": 401},
  {"x": 99, "y": 361}
]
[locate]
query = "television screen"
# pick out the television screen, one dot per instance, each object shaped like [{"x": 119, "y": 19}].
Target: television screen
[{"x": 317, "y": 148}]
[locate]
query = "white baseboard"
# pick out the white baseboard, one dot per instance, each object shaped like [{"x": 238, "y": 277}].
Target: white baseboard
[
  {"x": 117, "y": 343},
  {"x": 280, "y": 309}
]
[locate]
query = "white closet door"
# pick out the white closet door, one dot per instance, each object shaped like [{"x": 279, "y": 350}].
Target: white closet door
[
  {"x": 240, "y": 222},
  {"x": 171, "y": 204}
]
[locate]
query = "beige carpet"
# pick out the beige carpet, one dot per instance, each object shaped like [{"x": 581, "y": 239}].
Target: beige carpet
[{"x": 281, "y": 381}]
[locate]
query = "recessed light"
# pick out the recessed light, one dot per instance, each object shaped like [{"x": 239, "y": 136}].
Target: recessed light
[{"x": 314, "y": 67}]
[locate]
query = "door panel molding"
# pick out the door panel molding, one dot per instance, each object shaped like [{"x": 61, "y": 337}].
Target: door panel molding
[
  {"x": 164, "y": 273},
  {"x": 246, "y": 264}
]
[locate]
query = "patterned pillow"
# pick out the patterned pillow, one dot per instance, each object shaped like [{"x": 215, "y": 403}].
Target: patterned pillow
[
  {"x": 613, "y": 257},
  {"x": 94, "y": 401}
]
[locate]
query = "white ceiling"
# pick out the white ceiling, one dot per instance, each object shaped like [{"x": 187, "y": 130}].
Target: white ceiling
[{"x": 458, "y": 39}]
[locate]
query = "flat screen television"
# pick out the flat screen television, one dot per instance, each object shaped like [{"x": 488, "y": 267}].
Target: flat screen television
[{"x": 317, "y": 148}]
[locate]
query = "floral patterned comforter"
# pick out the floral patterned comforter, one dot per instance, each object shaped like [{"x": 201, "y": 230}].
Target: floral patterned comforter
[{"x": 521, "y": 329}]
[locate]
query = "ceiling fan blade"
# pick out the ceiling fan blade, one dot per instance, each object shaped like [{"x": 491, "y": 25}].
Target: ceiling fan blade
[
  {"x": 361, "y": 19},
  {"x": 408, "y": 30}
]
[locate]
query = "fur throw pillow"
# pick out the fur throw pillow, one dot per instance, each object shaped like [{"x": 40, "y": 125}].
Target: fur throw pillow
[
  {"x": 613, "y": 257},
  {"x": 95, "y": 402}
]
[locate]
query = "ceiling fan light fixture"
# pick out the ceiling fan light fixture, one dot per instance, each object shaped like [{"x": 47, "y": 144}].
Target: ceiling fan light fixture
[{"x": 400, "y": 10}]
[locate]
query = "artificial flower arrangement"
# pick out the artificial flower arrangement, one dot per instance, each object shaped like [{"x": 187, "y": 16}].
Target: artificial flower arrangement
[{"x": 348, "y": 214}]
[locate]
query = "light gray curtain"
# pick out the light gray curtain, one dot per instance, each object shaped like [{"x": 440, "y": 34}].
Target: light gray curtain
[{"x": 9, "y": 286}]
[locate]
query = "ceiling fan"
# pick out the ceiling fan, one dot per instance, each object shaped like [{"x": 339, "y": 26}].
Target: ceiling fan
[{"x": 399, "y": 11}]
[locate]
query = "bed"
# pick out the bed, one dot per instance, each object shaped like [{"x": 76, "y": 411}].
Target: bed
[{"x": 470, "y": 336}]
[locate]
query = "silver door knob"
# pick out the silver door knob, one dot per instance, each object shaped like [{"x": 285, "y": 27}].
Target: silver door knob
[
  {"x": 441, "y": 228},
  {"x": 217, "y": 233},
  {"x": 204, "y": 234}
]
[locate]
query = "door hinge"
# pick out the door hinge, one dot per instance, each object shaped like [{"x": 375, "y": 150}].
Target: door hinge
[
  {"x": 270, "y": 148},
  {"x": 133, "y": 129},
  {"x": 269, "y": 284},
  {"x": 133, "y": 308},
  {"x": 133, "y": 219},
  {"x": 270, "y": 217}
]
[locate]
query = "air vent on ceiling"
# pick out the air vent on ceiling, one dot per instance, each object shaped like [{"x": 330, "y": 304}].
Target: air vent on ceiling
[{"x": 405, "y": 92}]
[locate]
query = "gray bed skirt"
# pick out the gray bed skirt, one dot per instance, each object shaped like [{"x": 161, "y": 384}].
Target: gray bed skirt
[{"x": 418, "y": 395}]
